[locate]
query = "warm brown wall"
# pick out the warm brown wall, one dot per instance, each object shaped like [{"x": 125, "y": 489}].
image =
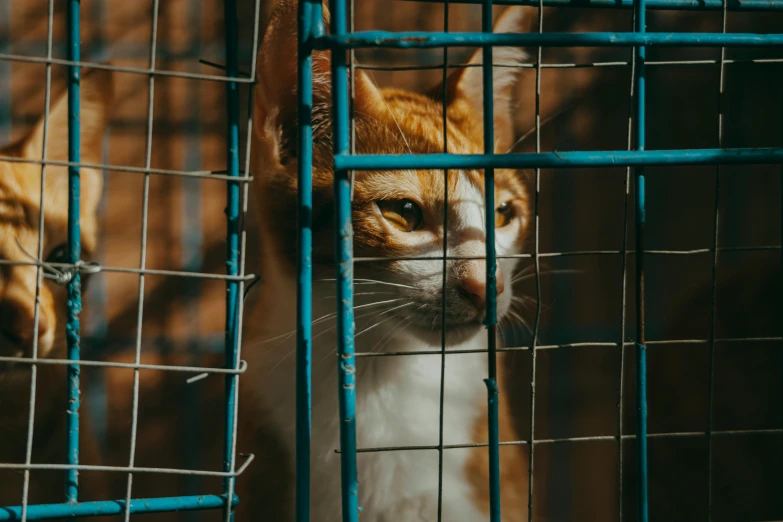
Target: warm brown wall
[{"x": 580, "y": 210}]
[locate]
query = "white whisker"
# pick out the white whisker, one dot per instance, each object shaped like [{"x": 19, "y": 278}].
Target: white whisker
[
  {"x": 388, "y": 336},
  {"x": 356, "y": 318},
  {"x": 360, "y": 294},
  {"x": 380, "y": 314},
  {"x": 330, "y": 316},
  {"x": 522, "y": 322},
  {"x": 373, "y": 281}
]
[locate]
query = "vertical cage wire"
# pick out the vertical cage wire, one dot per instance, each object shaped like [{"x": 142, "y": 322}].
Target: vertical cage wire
[
  {"x": 192, "y": 242},
  {"x": 624, "y": 275},
  {"x": 714, "y": 296},
  {"x": 537, "y": 274},
  {"x": 444, "y": 265},
  {"x": 74, "y": 248},
  {"x": 39, "y": 269},
  {"x": 142, "y": 256}
]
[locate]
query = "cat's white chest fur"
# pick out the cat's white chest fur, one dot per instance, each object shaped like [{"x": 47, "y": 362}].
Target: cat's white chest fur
[{"x": 398, "y": 404}]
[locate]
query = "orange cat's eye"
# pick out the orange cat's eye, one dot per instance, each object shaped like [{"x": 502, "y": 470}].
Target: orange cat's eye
[
  {"x": 403, "y": 214},
  {"x": 504, "y": 214}
]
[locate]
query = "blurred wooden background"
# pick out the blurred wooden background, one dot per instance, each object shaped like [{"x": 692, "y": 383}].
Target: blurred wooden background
[{"x": 579, "y": 210}]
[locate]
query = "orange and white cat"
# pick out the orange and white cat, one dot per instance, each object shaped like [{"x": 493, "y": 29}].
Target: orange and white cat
[
  {"x": 20, "y": 192},
  {"x": 398, "y": 303}
]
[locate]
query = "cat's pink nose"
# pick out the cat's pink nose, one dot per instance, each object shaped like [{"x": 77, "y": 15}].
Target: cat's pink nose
[{"x": 475, "y": 288}]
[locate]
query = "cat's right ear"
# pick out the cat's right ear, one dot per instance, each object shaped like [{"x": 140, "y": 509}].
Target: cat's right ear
[{"x": 275, "y": 107}]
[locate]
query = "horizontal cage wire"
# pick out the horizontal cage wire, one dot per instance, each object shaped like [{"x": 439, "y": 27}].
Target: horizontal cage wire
[{"x": 231, "y": 58}]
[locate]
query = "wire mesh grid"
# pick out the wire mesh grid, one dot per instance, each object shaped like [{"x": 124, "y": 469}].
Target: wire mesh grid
[
  {"x": 635, "y": 158},
  {"x": 69, "y": 274}
]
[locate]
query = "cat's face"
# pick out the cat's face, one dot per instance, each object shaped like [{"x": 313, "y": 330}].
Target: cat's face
[
  {"x": 397, "y": 214},
  {"x": 401, "y": 214},
  {"x": 20, "y": 192}
]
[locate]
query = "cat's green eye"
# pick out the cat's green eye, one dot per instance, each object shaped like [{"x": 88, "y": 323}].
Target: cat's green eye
[
  {"x": 504, "y": 214},
  {"x": 403, "y": 214}
]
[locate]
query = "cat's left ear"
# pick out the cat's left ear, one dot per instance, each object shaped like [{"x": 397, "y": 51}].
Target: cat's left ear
[
  {"x": 96, "y": 95},
  {"x": 276, "y": 107},
  {"x": 466, "y": 86}
]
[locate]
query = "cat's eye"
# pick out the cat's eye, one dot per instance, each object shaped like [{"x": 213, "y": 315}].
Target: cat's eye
[
  {"x": 59, "y": 254},
  {"x": 504, "y": 214},
  {"x": 403, "y": 214}
]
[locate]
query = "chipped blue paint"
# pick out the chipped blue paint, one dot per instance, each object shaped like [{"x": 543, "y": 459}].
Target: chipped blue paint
[
  {"x": 609, "y": 158},
  {"x": 116, "y": 507},
  {"x": 310, "y": 12},
  {"x": 641, "y": 217},
  {"x": 344, "y": 253},
  {"x": 491, "y": 317},
  {"x": 74, "y": 249},
  {"x": 424, "y": 40},
  {"x": 233, "y": 294},
  {"x": 686, "y": 5}
]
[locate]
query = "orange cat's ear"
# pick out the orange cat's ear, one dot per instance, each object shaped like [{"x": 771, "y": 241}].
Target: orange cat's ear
[
  {"x": 97, "y": 89},
  {"x": 465, "y": 85},
  {"x": 275, "y": 110},
  {"x": 96, "y": 94}
]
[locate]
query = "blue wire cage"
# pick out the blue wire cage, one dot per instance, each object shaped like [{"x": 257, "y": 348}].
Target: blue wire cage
[{"x": 342, "y": 41}]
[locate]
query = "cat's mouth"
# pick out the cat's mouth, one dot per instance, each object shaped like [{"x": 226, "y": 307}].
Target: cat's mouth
[{"x": 457, "y": 329}]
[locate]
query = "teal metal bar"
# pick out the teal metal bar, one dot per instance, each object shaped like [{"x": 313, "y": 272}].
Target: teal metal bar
[
  {"x": 74, "y": 249},
  {"x": 344, "y": 255},
  {"x": 664, "y": 5},
  {"x": 116, "y": 507},
  {"x": 232, "y": 256},
  {"x": 641, "y": 349},
  {"x": 425, "y": 40},
  {"x": 608, "y": 158},
  {"x": 309, "y": 11},
  {"x": 491, "y": 318}
]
